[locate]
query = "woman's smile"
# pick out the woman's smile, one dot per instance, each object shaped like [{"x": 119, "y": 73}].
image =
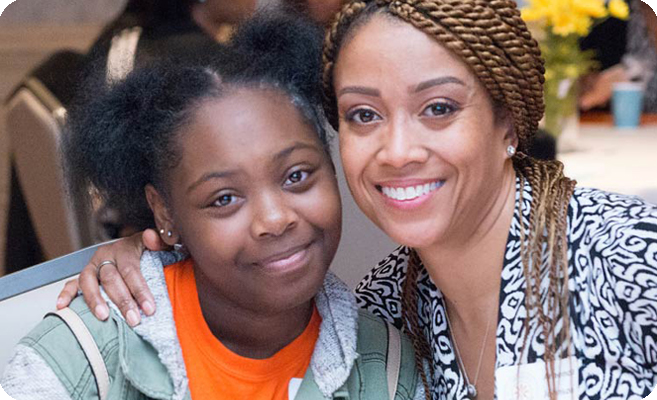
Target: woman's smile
[{"x": 409, "y": 194}]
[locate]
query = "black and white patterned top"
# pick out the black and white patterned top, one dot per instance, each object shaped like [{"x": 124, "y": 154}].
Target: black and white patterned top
[{"x": 613, "y": 302}]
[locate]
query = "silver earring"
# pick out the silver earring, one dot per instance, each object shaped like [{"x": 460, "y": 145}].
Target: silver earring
[
  {"x": 169, "y": 233},
  {"x": 162, "y": 231},
  {"x": 511, "y": 151},
  {"x": 179, "y": 247}
]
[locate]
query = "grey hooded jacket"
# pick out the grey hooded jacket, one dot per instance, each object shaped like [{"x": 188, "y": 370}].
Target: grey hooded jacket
[{"x": 146, "y": 361}]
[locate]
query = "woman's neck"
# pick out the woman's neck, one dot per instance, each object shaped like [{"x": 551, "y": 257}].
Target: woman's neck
[
  {"x": 249, "y": 333},
  {"x": 468, "y": 272}
]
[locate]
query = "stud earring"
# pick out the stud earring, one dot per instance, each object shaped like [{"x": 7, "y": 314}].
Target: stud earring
[
  {"x": 169, "y": 233},
  {"x": 162, "y": 231},
  {"x": 511, "y": 151}
]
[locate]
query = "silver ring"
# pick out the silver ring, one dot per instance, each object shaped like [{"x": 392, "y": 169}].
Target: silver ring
[{"x": 101, "y": 265}]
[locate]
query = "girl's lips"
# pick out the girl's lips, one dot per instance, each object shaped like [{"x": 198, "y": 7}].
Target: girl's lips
[{"x": 287, "y": 260}]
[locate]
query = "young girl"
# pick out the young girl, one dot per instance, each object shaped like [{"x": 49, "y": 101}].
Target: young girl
[{"x": 231, "y": 168}]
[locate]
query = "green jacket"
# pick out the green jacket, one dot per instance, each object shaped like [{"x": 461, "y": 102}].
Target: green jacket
[{"x": 146, "y": 362}]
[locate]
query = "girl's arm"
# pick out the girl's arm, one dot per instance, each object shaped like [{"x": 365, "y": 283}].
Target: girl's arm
[{"x": 123, "y": 283}]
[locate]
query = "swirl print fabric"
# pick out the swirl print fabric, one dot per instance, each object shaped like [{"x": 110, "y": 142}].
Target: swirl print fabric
[{"x": 612, "y": 282}]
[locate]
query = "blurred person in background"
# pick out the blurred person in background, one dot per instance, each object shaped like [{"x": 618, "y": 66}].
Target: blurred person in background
[{"x": 639, "y": 63}]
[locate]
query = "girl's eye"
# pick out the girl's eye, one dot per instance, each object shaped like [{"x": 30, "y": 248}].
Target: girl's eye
[
  {"x": 296, "y": 177},
  {"x": 438, "y": 109},
  {"x": 363, "y": 116},
  {"x": 225, "y": 200}
]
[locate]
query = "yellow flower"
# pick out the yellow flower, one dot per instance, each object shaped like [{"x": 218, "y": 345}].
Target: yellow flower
[
  {"x": 591, "y": 8},
  {"x": 566, "y": 23},
  {"x": 619, "y": 9}
]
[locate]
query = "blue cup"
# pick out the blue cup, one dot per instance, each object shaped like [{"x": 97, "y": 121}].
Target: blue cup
[{"x": 626, "y": 104}]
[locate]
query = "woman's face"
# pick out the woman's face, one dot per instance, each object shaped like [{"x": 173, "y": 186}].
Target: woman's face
[
  {"x": 422, "y": 147},
  {"x": 255, "y": 201}
]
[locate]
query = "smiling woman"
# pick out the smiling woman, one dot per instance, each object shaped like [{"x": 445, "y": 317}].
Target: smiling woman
[{"x": 502, "y": 277}]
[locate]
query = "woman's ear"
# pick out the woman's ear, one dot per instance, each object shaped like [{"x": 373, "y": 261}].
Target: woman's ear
[
  {"x": 162, "y": 216},
  {"x": 505, "y": 123}
]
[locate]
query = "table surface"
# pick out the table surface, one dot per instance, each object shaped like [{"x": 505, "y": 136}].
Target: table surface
[{"x": 613, "y": 159}]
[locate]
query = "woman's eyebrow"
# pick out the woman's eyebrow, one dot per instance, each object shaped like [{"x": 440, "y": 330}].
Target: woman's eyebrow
[
  {"x": 436, "y": 82},
  {"x": 360, "y": 90}
]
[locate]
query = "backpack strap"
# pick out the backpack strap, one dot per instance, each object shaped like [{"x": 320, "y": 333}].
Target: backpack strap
[
  {"x": 89, "y": 347},
  {"x": 393, "y": 359}
]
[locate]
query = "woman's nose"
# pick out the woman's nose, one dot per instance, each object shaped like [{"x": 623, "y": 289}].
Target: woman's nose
[
  {"x": 401, "y": 145},
  {"x": 273, "y": 216}
]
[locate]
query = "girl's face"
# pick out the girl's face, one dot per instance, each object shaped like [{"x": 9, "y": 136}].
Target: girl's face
[
  {"x": 255, "y": 201},
  {"x": 421, "y": 145}
]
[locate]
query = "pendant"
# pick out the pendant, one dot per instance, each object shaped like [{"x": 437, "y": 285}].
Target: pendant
[{"x": 472, "y": 391}]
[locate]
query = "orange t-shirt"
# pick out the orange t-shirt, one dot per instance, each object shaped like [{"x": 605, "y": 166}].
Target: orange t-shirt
[{"x": 213, "y": 370}]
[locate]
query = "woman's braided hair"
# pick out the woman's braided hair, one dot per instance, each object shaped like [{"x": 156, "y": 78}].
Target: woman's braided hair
[{"x": 492, "y": 39}]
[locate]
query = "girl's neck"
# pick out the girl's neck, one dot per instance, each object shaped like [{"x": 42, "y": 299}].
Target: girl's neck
[
  {"x": 249, "y": 333},
  {"x": 468, "y": 272}
]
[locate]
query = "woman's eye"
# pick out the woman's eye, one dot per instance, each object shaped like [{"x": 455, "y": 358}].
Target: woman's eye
[
  {"x": 438, "y": 109},
  {"x": 296, "y": 177},
  {"x": 363, "y": 116},
  {"x": 225, "y": 200}
]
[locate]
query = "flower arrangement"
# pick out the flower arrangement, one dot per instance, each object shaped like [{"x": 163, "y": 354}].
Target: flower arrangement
[{"x": 559, "y": 24}]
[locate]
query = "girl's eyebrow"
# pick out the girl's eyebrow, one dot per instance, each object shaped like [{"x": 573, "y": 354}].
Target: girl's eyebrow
[
  {"x": 289, "y": 150},
  {"x": 229, "y": 173},
  {"x": 209, "y": 176}
]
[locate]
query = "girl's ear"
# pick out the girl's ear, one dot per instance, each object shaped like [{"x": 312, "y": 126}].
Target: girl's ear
[{"x": 163, "y": 220}]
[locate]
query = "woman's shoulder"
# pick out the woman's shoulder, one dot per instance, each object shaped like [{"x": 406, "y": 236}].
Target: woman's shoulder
[
  {"x": 379, "y": 291},
  {"x": 600, "y": 212}
]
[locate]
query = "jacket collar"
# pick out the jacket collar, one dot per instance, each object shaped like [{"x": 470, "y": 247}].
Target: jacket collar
[
  {"x": 333, "y": 358},
  {"x": 158, "y": 331}
]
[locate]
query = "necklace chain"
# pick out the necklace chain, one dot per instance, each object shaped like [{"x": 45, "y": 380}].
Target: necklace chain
[{"x": 470, "y": 387}]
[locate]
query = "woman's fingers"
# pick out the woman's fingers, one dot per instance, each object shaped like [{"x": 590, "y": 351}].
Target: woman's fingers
[
  {"x": 152, "y": 241},
  {"x": 91, "y": 291},
  {"x": 117, "y": 290},
  {"x": 128, "y": 265},
  {"x": 67, "y": 294}
]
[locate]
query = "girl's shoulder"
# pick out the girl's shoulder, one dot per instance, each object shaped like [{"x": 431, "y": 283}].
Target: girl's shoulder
[{"x": 53, "y": 351}]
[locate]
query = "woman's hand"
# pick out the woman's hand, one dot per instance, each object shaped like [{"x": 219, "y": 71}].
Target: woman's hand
[{"x": 121, "y": 279}]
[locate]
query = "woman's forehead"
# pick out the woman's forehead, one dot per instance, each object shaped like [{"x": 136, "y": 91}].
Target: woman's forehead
[{"x": 386, "y": 50}]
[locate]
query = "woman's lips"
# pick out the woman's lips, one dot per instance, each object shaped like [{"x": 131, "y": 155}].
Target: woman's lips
[{"x": 407, "y": 196}]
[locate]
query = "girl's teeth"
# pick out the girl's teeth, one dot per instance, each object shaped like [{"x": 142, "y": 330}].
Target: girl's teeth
[{"x": 411, "y": 192}]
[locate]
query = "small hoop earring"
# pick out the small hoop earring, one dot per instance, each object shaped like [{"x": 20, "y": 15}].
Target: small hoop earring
[{"x": 511, "y": 151}]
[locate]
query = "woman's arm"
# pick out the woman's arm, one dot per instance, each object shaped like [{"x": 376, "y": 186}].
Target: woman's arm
[{"x": 123, "y": 282}]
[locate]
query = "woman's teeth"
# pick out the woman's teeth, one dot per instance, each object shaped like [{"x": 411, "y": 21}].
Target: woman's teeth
[{"x": 410, "y": 192}]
